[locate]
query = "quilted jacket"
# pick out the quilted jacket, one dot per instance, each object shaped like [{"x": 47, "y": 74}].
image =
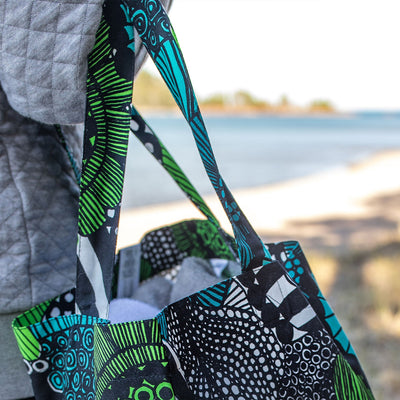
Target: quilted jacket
[
  {"x": 38, "y": 228},
  {"x": 43, "y": 52},
  {"x": 43, "y": 55},
  {"x": 38, "y": 210}
]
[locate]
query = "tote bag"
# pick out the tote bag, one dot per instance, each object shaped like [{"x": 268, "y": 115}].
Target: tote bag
[{"x": 264, "y": 334}]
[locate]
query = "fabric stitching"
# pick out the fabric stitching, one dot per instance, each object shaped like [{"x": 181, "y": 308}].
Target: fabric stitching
[
  {"x": 41, "y": 60},
  {"x": 60, "y": 271},
  {"x": 80, "y": 47},
  {"x": 23, "y": 217},
  {"x": 44, "y": 31},
  {"x": 21, "y": 169},
  {"x": 145, "y": 376},
  {"x": 50, "y": 236},
  {"x": 52, "y": 63},
  {"x": 17, "y": 295},
  {"x": 27, "y": 103},
  {"x": 43, "y": 87}
]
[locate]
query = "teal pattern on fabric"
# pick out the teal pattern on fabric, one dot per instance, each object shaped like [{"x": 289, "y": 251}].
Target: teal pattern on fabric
[
  {"x": 62, "y": 368},
  {"x": 215, "y": 295},
  {"x": 160, "y": 40},
  {"x": 295, "y": 263},
  {"x": 301, "y": 273},
  {"x": 335, "y": 327},
  {"x": 71, "y": 362},
  {"x": 129, "y": 29},
  {"x": 243, "y": 338}
]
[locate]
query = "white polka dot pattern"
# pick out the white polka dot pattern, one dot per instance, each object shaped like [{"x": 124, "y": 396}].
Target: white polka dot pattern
[{"x": 229, "y": 348}]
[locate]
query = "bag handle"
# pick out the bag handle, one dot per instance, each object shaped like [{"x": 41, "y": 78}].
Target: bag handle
[
  {"x": 160, "y": 41},
  {"x": 147, "y": 136},
  {"x": 109, "y": 94}
]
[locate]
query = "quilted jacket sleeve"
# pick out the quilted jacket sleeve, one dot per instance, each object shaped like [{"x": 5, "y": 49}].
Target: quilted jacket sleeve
[
  {"x": 44, "y": 46},
  {"x": 38, "y": 211},
  {"x": 43, "y": 56}
]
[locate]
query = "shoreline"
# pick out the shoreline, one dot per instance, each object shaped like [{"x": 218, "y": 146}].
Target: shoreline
[
  {"x": 246, "y": 112},
  {"x": 308, "y": 207},
  {"x": 211, "y": 112}
]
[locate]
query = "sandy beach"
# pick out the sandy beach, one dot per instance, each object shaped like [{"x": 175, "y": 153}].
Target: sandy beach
[{"x": 347, "y": 206}]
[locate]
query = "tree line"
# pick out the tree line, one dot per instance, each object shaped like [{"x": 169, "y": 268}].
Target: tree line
[{"x": 151, "y": 92}]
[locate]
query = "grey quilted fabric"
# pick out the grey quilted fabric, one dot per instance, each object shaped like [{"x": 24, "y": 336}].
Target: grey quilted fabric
[
  {"x": 38, "y": 211},
  {"x": 14, "y": 381},
  {"x": 43, "y": 52}
]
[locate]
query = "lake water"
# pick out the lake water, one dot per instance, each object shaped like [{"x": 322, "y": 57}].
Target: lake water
[{"x": 254, "y": 151}]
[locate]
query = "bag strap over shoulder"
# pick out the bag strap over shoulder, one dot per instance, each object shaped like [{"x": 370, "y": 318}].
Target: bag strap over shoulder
[
  {"x": 109, "y": 93},
  {"x": 159, "y": 38}
]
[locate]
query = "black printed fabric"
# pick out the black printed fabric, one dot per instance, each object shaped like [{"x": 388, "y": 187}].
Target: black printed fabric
[
  {"x": 291, "y": 256},
  {"x": 218, "y": 337},
  {"x": 166, "y": 247},
  {"x": 255, "y": 337}
]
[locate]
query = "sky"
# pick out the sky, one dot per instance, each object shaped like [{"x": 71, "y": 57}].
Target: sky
[{"x": 345, "y": 51}]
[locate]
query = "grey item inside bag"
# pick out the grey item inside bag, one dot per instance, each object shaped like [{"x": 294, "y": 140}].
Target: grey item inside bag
[
  {"x": 193, "y": 275},
  {"x": 44, "y": 46},
  {"x": 129, "y": 271}
]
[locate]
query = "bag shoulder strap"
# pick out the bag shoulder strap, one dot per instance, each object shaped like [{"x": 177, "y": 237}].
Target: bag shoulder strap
[
  {"x": 109, "y": 93},
  {"x": 160, "y": 40}
]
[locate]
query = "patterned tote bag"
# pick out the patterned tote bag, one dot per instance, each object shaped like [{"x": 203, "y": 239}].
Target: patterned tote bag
[
  {"x": 288, "y": 253},
  {"x": 267, "y": 333}
]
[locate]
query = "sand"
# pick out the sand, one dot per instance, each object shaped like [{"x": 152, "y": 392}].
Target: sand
[{"x": 344, "y": 206}]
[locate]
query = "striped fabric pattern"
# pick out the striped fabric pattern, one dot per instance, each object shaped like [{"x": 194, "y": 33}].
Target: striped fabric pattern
[
  {"x": 125, "y": 350},
  {"x": 28, "y": 344}
]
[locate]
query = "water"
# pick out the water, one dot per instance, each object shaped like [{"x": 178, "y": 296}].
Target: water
[{"x": 254, "y": 151}]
